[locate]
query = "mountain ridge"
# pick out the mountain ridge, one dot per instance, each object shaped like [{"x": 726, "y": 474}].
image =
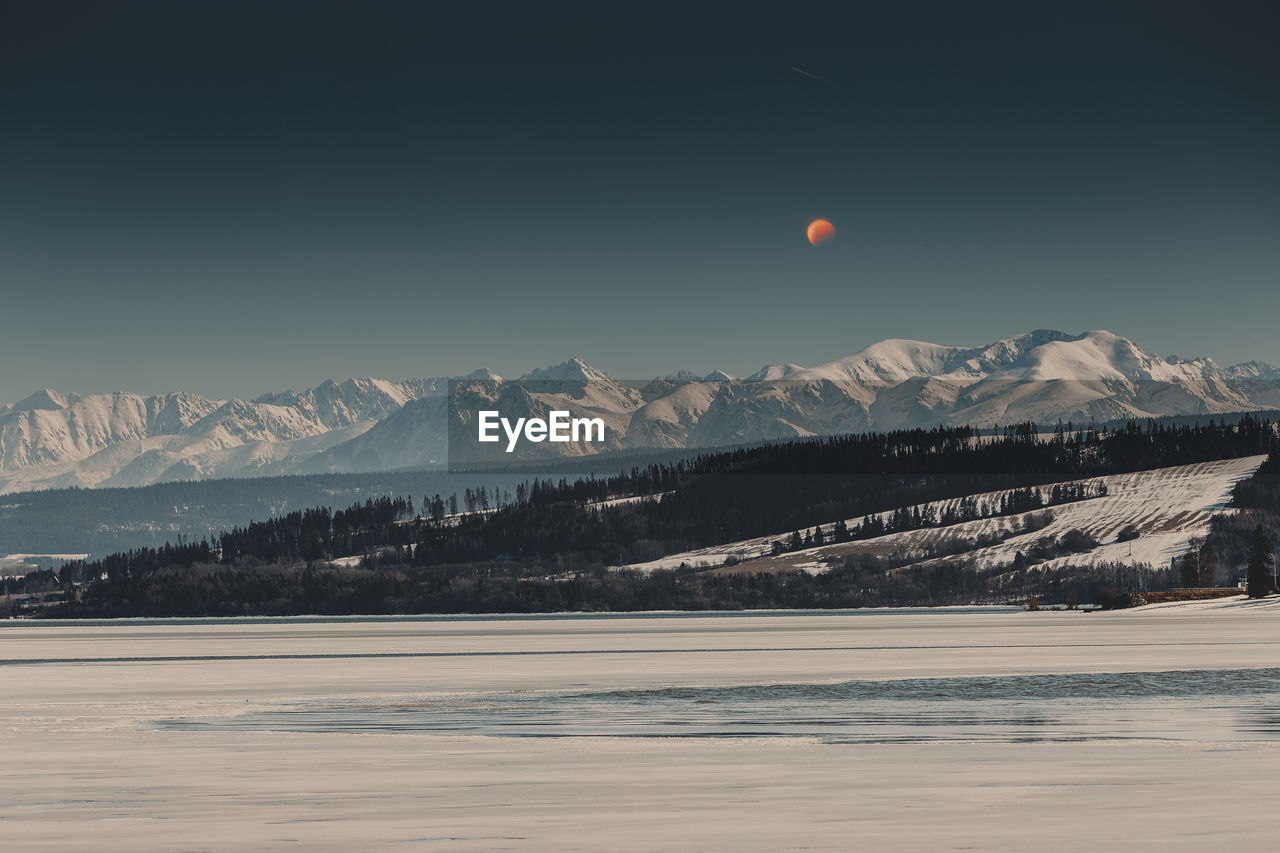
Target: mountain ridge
[{"x": 52, "y": 439}]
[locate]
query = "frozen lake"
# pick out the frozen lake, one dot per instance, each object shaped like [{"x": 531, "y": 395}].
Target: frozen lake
[{"x": 946, "y": 729}]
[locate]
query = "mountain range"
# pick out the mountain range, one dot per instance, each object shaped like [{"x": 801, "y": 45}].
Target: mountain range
[{"x": 51, "y": 440}]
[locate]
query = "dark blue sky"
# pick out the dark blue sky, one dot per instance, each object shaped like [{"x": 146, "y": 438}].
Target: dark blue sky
[{"x": 239, "y": 197}]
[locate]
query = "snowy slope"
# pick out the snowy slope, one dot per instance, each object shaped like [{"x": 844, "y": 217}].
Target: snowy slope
[
  {"x": 1168, "y": 506},
  {"x": 414, "y": 436}
]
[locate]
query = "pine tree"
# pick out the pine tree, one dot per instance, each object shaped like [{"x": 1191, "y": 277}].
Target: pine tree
[
  {"x": 1258, "y": 578},
  {"x": 1190, "y": 575},
  {"x": 1208, "y": 567}
]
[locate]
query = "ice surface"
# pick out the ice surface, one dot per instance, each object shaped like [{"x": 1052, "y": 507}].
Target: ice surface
[{"x": 942, "y": 729}]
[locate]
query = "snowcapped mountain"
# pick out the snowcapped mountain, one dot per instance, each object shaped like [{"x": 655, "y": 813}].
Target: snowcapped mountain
[
  {"x": 573, "y": 370},
  {"x": 49, "y": 427},
  {"x": 355, "y": 400},
  {"x": 51, "y": 439},
  {"x": 413, "y": 437},
  {"x": 1043, "y": 376},
  {"x": 1041, "y": 355}
]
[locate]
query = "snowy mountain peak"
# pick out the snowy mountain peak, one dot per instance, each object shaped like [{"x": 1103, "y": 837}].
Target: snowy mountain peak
[
  {"x": 774, "y": 372},
  {"x": 45, "y": 399},
  {"x": 1251, "y": 370},
  {"x": 891, "y": 360},
  {"x": 1042, "y": 355},
  {"x": 691, "y": 376},
  {"x": 1101, "y": 355},
  {"x": 575, "y": 369}
]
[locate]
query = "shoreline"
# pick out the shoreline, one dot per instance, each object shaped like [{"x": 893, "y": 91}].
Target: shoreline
[{"x": 1191, "y": 605}]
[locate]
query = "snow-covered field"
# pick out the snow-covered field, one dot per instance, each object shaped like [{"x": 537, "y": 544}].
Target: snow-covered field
[
  {"x": 1168, "y": 506},
  {"x": 875, "y": 730},
  {"x": 13, "y": 565}
]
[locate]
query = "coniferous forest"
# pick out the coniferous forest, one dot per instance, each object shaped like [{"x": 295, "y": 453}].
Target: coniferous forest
[
  {"x": 1234, "y": 538},
  {"x": 550, "y": 545}
]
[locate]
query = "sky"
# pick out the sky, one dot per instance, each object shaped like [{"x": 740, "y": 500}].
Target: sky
[{"x": 231, "y": 197}]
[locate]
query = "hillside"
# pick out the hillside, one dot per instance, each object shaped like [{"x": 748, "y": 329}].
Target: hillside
[
  {"x": 1166, "y": 507},
  {"x": 976, "y": 520}
]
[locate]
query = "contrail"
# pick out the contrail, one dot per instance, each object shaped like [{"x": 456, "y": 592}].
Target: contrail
[{"x": 810, "y": 74}]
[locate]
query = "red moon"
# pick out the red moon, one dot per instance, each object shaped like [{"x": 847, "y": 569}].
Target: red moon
[{"x": 820, "y": 230}]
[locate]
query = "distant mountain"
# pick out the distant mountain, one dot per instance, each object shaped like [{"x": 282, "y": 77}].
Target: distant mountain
[
  {"x": 1042, "y": 376},
  {"x": 48, "y": 427},
  {"x": 52, "y": 439},
  {"x": 412, "y": 437},
  {"x": 56, "y": 440}
]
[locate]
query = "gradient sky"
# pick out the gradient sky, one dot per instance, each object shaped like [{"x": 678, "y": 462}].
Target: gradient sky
[{"x": 232, "y": 198}]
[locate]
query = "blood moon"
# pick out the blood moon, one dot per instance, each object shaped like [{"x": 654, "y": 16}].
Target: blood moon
[{"x": 820, "y": 230}]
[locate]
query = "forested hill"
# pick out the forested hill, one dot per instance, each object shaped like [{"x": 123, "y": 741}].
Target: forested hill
[
  {"x": 771, "y": 490},
  {"x": 710, "y": 499}
]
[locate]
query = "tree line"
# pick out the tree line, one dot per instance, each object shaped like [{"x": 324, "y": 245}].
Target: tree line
[
  {"x": 1240, "y": 541},
  {"x": 549, "y": 543}
]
